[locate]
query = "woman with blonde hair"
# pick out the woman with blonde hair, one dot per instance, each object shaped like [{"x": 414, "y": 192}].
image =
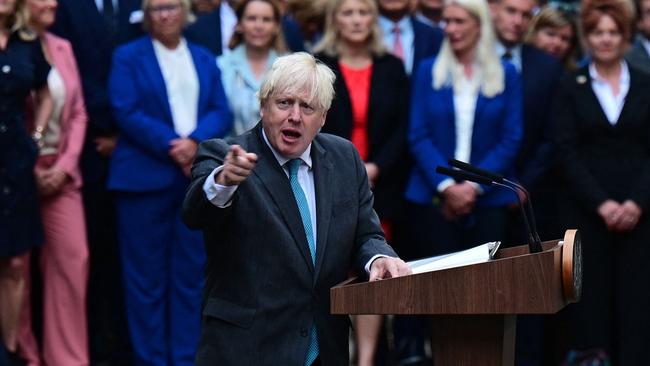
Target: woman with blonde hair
[
  {"x": 63, "y": 258},
  {"x": 23, "y": 69},
  {"x": 555, "y": 31},
  {"x": 255, "y": 44},
  {"x": 466, "y": 104},
  {"x": 371, "y": 110},
  {"x": 167, "y": 97}
]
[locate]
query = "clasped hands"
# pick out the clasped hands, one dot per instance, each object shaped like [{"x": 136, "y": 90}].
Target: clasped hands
[
  {"x": 620, "y": 217},
  {"x": 50, "y": 181},
  {"x": 459, "y": 200},
  {"x": 182, "y": 151}
]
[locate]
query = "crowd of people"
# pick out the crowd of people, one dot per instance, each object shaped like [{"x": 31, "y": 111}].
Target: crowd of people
[{"x": 104, "y": 104}]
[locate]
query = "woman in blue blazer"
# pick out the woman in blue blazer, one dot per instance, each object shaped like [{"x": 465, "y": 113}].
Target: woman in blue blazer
[
  {"x": 466, "y": 104},
  {"x": 167, "y": 97}
]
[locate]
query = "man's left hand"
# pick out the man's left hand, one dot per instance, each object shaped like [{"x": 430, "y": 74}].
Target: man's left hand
[{"x": 388, "y": 267}]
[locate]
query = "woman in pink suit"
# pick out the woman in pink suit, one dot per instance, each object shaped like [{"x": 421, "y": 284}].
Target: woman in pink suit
[{"x": 64, "y": 256}]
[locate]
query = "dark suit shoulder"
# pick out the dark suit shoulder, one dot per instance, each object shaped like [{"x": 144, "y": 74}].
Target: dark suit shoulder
[
  {"x": 333, "y": 143},
  {"x": 426, "y": 31}
]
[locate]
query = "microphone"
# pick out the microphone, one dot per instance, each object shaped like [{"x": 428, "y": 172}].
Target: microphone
[
  {"x": 534, "y": 244},
  {"x": 501, "y": 179}
]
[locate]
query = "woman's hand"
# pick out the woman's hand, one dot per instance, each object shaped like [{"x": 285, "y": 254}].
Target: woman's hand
[
  {"x": 629, "y": 214},
  {"x": 51, "y": 181}
]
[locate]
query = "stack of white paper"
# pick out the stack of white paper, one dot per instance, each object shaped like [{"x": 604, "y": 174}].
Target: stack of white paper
[{"x": 479, "y": 254}]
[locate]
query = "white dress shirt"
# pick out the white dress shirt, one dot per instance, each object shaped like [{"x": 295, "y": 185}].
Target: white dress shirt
[
  {"x": 407, "y": 36},
  {"x": 100, "y": 5},
  {"x": 611, "y": 104},
  {"x": 515, "y": 53},
  {"x": 464, "y": 108},
  {"x": 182, "y": 84},
  {"x": 221, "y": 196}
]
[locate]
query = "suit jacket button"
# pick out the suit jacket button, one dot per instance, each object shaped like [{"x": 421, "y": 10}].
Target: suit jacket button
[{"x": 303, "y": 332}]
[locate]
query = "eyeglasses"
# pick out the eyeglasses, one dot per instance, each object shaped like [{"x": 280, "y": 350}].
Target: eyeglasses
[{"x": 159, "y": 9}]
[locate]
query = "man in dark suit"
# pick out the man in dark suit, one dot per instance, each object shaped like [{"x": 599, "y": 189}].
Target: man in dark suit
[
  {"x": 639, "y": 54},
  {"x": 405, "y": 36},
  {"x": 95, "y": 28},
  {"x": 540, "y": 75},
  {"x": 286, "y": 213}
]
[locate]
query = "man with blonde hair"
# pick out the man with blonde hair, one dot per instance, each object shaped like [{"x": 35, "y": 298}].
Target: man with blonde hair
[{"x": 286, "y": 213}]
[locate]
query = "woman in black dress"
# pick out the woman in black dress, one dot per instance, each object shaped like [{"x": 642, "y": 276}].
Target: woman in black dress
[{"x": 23, "y": 69}]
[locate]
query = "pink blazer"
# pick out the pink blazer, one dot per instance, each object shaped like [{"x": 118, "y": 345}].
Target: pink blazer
[{"x": 73, "y": 116}]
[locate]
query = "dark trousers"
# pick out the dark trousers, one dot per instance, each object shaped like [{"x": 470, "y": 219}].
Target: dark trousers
[{"x": 107, "y": 334}]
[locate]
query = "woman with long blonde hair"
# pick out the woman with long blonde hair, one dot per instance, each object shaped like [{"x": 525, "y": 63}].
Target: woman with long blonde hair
[{"x": 466, "y": 104}]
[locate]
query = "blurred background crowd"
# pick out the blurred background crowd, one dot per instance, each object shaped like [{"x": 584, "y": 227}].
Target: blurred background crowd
[{"x": 104, "y": 102}]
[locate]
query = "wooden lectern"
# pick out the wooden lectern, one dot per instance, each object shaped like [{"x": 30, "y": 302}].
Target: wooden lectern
[{"x": 474, "y": 307}]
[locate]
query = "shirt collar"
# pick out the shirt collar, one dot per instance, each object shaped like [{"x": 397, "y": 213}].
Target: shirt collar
[
  {"x": 625, "y": 74},
  {"x": 305, "y": 157},
  {"x": 387, "y": 25},
  {"x": 161, "y": 49}
]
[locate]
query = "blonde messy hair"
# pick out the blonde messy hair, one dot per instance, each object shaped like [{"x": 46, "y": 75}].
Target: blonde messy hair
[{"x": 296, "y": 73}]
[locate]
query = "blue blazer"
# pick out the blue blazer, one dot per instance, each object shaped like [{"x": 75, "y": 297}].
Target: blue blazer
[
  {"x": 496, "y": 135},
  {"x": 141, "y": 160}
]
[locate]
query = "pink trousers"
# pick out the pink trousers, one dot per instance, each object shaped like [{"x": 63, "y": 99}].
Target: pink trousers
[{"x": 64, "y": 268}]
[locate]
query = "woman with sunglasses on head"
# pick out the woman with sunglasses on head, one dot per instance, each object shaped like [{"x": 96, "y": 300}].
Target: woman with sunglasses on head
[
  {"x": 167, "y": 97},
  {"x": 371, "y": 110},
  {"x": 556, "y": 32}
]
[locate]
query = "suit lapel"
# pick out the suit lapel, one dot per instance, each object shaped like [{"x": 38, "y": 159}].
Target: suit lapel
[
  {"x": 586, "y": 92},
  {"x": 323, "y": 186},
  {"x": 274, "y": 179}
]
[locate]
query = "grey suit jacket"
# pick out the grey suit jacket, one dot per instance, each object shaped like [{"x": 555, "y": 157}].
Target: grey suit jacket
[
  {"x": 638, "y": 57},
  {"x": 262, "y": 292}
]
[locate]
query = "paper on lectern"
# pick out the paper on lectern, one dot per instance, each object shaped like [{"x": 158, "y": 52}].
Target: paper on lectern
[{"x": 478, "y": 254}]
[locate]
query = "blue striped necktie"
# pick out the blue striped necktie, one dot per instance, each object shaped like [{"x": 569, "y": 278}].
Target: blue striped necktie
[{"x": 303, "y": 207}]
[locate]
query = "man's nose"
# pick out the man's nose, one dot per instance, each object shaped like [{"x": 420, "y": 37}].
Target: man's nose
[{"x": 294, "y": 113}]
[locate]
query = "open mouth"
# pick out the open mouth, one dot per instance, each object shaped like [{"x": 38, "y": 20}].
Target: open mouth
[{"x": 291, "y": 134}]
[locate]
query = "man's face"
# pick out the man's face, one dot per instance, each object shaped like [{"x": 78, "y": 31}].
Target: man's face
[
  {"x": 511, "y": 19},
  {"x": 291, "y": 123},
  {"x": 393, "y": 6},
  {"x": 644, "y": 18}
]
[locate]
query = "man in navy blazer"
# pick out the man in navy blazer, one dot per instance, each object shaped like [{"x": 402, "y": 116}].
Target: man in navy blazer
[
  {"x": 94, "y": 30},
  {"x": 540, "y": 74},
  {"x": 286, "y": 212},
  {"x": 418, "y": 40}
]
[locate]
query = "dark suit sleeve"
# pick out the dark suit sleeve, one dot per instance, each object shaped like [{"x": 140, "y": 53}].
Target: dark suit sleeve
[
  {"x": 391, "y": 151},
  {"x": 581, "y": 181},
  {"x": 503, "y": 155},
  {"x": 369, "y": 239},
  {"x": 197, "y": 210}
]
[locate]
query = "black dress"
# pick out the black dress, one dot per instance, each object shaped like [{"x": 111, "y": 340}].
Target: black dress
[{"x": 23, "y": 68}]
